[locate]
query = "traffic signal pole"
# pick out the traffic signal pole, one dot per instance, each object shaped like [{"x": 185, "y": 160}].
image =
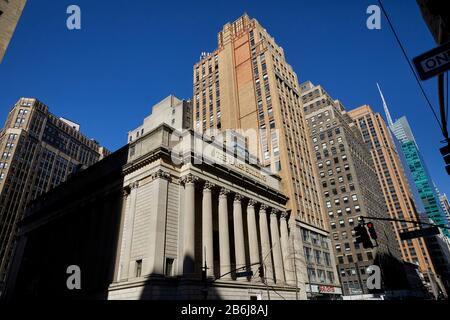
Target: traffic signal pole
[{"x": 408, "y": 221}]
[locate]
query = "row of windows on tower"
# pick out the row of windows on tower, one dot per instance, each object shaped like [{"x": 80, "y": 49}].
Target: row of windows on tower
[
  {"x": 350, "y": 259},
  {"x": 320, "y": 276},
  {"x": 317, "y": 256}
]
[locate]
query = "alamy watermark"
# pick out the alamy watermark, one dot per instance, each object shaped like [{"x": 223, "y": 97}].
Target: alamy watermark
[
  {"x": 374, "y": 20},
  {"x": 74, "y": 280},
  {"x": 373, "y": 282},
  {"x": 73, "y": 21}
]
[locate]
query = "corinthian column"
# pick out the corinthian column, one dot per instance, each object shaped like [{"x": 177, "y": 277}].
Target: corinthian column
[
  {"x": 239, "y": 248},
  {"x": 276, "y": 248},
  {"x": 266, "y": 254},
  {"x": 224, "y": 236},
  {"x": 207, "y": 229},
  {"x": 287, "y": 258},
  {"x": 252, "y": 235},
  {"x": 189, "y": 225}
]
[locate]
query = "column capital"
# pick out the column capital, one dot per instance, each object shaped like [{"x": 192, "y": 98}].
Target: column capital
[
  {"x": 238, "y": 197},
  {"x": 274, "y": 213},
  {"x": 126, "y": 191},
  {"x": 160, "y": 174},
  {"x": 208, "y": 185},
  {"x": 188, "y": 179},
  {"x": 224, "y": 192},
  {"x": 283, "y": 215},
  {"x": 252, "y": 203},
  {"x": 134, "y": 185},
  {"x": 263, "y": 207}
]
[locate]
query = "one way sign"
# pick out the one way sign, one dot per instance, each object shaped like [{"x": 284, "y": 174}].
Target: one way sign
[{"x": 433, "y": 62}]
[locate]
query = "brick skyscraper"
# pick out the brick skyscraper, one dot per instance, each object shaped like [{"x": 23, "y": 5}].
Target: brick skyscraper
[{"x": 247, "y": 84}]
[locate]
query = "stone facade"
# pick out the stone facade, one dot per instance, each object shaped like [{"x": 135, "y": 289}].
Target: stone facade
[{"x": 190, "y": 204}]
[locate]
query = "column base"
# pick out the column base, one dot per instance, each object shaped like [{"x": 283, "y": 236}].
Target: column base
[
  {"x": 257, "y": 280},
  {"x": 241, "y": 279}
]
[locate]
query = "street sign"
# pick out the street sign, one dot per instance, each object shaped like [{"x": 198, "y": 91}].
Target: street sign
[
  {"x": 425, "y": 232},
  {"x": 244, "y": 274},
  {"x": 433, "y": 62}
]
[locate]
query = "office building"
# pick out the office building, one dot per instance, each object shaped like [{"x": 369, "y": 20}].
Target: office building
[
  {"x": 350, "y": 189},
  {"x": 247, "y": 85},
  {"x": 10, "y": 12},
  {"x": 38, "y": 152},
  {"x": 172, "y": 111},
  {"x": 395, "y": 187},
  {"x": 423, "y": 195},
  {"x": 75, "y": 223},
  {"x": 419, "y": 171},
  {"x": 445, "y": 204}
]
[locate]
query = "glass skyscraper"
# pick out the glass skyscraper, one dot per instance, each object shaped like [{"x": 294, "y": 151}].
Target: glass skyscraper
[
  {"x": 424, "y": 184},
  {"x": 416, "y": 164}
]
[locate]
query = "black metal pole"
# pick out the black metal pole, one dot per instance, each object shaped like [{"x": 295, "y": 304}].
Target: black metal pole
[{"x": 408, "y": 221}]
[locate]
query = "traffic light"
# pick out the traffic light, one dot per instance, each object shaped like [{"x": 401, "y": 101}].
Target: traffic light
[
  {"x": 261, "y": 271},
  {"x": 362, "y": 236},
  {"x": 372, "y": 232},
  {"x": 445, "y": 151}
]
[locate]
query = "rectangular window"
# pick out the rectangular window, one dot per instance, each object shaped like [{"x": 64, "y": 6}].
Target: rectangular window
[
  {"x": 138, "y": 268},
  {"x": 330, "y": 277},
  {"x": 169, "y": 267},
  {"x": 312, "y": 274},
  {"x": 305, "y": 234},
  {"x": 321, "y": 275},
  {"x": 318, "y": 256},
  {"x": 307, "y": 254},
  {"x": 327, "y": 259}
]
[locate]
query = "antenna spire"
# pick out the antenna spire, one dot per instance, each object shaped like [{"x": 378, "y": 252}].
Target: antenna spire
[{"x": 386, "y": 110}]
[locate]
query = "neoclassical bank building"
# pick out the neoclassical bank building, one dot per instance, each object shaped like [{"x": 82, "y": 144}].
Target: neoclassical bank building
[{"x": 201, "y": 222}]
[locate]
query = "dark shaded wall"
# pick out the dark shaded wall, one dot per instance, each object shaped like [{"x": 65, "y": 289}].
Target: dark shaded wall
[{"x": 77, "y": 223}]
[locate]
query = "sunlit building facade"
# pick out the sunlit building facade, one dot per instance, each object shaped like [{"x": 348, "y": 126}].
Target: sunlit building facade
[{"x": 247, "y": 84}]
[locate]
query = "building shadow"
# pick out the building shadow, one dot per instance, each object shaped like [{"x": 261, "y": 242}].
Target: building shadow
[
  {"x": 400, "y": 280},
  {"x": 77, "y": 223},
  {"x": 184, "y": 287}
]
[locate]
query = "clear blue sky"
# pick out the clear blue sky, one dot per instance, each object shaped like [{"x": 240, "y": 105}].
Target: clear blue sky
[{"x": 131, "y": 54}]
